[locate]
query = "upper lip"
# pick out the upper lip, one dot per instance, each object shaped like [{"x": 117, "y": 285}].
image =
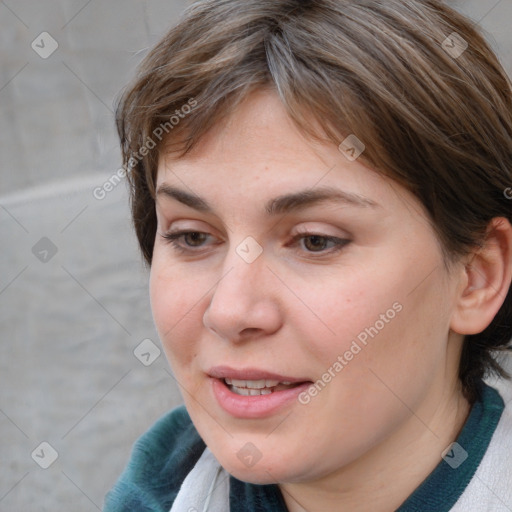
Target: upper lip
[{"x": 223, "y": 372}]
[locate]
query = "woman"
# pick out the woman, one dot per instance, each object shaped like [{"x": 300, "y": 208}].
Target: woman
[{"x": 319, "y": 189}]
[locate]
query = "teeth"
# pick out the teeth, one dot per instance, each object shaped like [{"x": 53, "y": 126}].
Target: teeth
[
  {"x": 250, "y": 392},
  {"x": 256, "y": 387},
  {"x": 253, "y": 384}
]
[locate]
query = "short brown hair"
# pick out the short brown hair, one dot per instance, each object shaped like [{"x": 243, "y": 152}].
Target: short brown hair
[{"x": 435, "y": 121}]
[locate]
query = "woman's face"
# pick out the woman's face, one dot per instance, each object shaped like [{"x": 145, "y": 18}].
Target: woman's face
[{"x": 300, "y": 267}]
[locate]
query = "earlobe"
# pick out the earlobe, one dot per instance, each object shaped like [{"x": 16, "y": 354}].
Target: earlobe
[{"x": 486, "y": 280}]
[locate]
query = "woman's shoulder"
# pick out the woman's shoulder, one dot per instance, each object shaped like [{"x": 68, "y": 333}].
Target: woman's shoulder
[
  {"x": 160, "y": 460},
  {"x": 490, "y": 488}
]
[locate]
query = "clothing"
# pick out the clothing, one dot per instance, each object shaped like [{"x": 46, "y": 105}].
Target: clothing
[
  {"x": 164, "y": 456},
  {"x": 206, "y": 488}
]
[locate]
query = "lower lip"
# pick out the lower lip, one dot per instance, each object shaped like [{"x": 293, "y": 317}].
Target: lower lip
[{"x": 251, "y": 407}]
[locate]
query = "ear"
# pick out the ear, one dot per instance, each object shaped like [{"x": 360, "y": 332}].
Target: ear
[{"x": 485, "y": 281}]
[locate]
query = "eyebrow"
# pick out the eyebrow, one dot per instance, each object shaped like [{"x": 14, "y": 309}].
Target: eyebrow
[{"x": 279, "y": 205}]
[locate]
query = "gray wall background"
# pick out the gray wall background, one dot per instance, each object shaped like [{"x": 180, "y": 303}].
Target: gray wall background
[{"x": 73, "y": 290}]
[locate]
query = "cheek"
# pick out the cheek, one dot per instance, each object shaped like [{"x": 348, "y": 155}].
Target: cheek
[
  {"x": 357, "y": 307},
  {"x": 377, "y": 319},
  {"x": 176, "y": 305}
]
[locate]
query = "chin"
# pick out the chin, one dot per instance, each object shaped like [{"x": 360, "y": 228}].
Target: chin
[
  {"x": 254, "y": 475},
  {"x": 262, "y": 473}
]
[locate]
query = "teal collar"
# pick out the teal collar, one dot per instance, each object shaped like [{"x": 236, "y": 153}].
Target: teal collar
[
  {"x": 439, "y": 491},
  {"x": 445, "y": 485}
]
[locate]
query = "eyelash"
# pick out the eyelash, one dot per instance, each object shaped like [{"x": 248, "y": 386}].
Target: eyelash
[{"x": 339, "y": 243}]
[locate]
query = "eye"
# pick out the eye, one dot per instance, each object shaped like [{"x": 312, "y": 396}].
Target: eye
[
  {"x": 317, "y": 243},
  {"x": 192, "y": 241},
  {"x": 186, "y": 241}
]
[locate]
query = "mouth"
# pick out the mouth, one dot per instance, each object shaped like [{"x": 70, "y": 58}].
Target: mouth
[
  {"x": 258, "y": 387},
  {"x": 253, "y": 393}
]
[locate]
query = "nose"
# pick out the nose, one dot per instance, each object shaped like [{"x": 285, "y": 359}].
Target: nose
[{"x": 244, "y": 303}]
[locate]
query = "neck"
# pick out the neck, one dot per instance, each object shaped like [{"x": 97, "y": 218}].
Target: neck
[{"x": 384, "y": 477}]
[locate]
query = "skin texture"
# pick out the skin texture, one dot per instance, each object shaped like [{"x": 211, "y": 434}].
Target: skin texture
[{"x": 369, "y": 438}]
